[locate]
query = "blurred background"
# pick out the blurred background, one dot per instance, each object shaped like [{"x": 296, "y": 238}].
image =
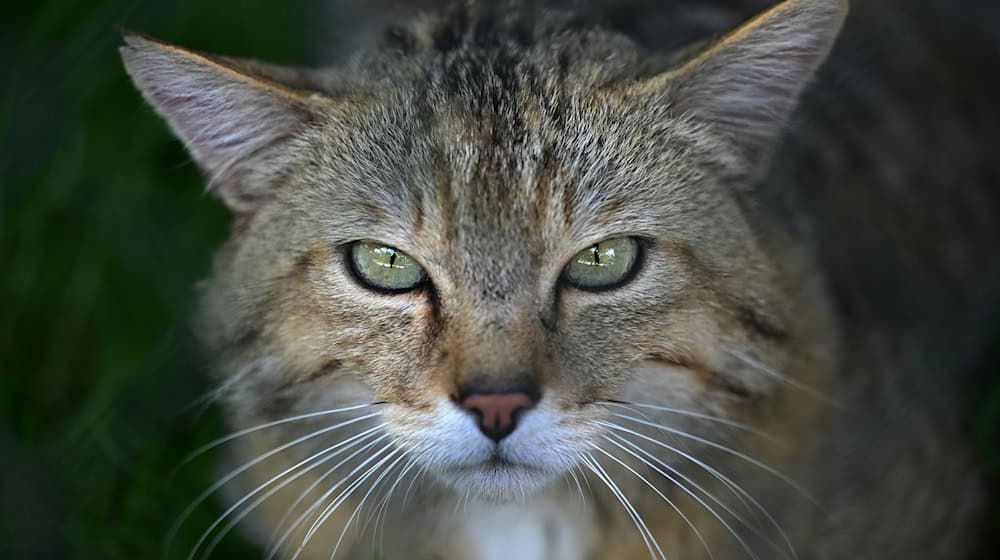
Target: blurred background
[{"x": 104, "y": 230}]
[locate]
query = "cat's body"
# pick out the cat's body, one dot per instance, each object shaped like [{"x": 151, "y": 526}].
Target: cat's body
[{"x": 831, "y": 296}]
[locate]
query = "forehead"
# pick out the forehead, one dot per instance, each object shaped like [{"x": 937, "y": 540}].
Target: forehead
[
  {"x": 499, "y": 158},
  {"x": 500, "y": 167}
]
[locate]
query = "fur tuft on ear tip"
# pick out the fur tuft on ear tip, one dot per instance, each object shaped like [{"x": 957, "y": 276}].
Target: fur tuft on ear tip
[{"x": 137, "y": 43}]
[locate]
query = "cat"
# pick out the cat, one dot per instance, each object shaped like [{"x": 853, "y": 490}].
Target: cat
[{"x": 524, "y": 281}]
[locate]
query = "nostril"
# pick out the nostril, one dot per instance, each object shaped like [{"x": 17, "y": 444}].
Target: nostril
[{"x": 497, "y": 412}]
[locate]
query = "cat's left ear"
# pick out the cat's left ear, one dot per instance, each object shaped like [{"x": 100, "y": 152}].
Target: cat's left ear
[
  {"x": 233, "y": 116},
  {"x": 746, "y": 85}
]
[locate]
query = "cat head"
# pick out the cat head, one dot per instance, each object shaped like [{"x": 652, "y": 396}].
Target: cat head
[{"x": 499, "y": 228}]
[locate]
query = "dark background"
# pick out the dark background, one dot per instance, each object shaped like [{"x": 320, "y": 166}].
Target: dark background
[{"x": 104, "y": 230}]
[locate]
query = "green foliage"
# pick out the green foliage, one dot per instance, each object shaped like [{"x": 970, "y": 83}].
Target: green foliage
[{"x": 105, "y": 230}]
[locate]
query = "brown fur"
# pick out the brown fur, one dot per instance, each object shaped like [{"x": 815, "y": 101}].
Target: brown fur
[{"x": 493, "y": 143}]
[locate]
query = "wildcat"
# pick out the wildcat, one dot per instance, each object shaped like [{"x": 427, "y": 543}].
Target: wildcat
[{"x": 529, "y": 281}]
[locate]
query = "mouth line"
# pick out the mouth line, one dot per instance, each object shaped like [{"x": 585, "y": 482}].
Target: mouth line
[{"x": 496, "y": 462}]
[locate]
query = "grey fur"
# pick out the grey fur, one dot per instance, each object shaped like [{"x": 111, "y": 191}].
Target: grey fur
[{"x": 493, "y": 142}]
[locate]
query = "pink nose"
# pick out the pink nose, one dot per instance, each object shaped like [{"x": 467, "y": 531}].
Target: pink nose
[{"x": 497, "y": 412}]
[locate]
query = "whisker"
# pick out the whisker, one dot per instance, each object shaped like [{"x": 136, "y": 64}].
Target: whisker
[
  {"x": 707, "y": 417},
  {"x": 214, "y": 394},
  {"x": 217, "y": 442},
  {"x": 586, "y": 480},
  {"x": 380, "y": 529},
  {"x": 373, "y": 514},
  {"x": 317, "y": 482},
  {"x": 364, "y": 499},
  {"x": 325, "y": 514},
  {"x": 420, "y": 475},
  {"x": 735, "y": 488},
  {"x": 460, "y": 503},
  {"x": 243, "y": 468},
  {"x": 344, "y": 495},
  {"x": 579, "y": 488},
  {"x": 276, "y": 546},
  {"x": 738, "y": 496},
  {"x": 343, "y": 446},
  {"x": 775, "y": 374},
  {"x": 692, "y": 495},
  {"x": 763, "y": 466},
  {"x": 658, "y": 493},
  {"x": 644, "y": 532},
  {"x": 694, "y": 484}
]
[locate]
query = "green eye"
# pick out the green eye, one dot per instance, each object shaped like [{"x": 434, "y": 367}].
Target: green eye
[
  {"x": 385, "y": 268},
  {"x": 604, "y": 265}
]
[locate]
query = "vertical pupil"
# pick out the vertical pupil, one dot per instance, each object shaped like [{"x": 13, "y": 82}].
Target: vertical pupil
[
  {"x": 392, "y": 257},
  {"x": 597, "y": 254}
]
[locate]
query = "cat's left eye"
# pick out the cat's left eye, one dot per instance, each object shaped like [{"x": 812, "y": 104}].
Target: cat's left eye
[
  {"x": 603, "y": 265},
  {"x": 385, "y": 268}
]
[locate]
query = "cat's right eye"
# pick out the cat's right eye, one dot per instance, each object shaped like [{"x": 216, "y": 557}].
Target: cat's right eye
[{"x": 385, "y": 268}]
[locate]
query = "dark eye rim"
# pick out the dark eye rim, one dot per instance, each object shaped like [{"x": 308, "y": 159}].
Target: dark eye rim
[
  {"x": 347, "y": 253},
  {"x": 642, "y": 247}
]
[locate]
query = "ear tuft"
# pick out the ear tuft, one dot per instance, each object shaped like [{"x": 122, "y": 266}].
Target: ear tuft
[{"x": 229, "y": 118}]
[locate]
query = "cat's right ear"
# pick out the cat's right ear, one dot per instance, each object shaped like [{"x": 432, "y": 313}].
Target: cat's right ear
[{"x": 232, "y": 116}]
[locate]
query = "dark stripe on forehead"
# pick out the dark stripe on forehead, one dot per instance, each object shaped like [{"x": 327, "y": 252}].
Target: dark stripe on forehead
[
  {"x": 487, "y": 25},
  {"x": 442, "y": 177},
  {"x": 569, "y": 198},
  {"x": 417, "y": 204}
]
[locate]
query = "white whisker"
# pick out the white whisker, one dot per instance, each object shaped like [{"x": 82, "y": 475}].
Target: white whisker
[
  {"x": 586, "y": 480},
  {"x": 316, "y": 504},
  {"x": 376, "y": 511},
  {"x": 579, "y": 487},
  {"x": 775, "y": 374},
  {"x": 214, "y": 394},
  {"x": 461, "y": 503},
  {"x": 331, "y": 452},
  {"x": 361, "y": 503},
  {"x": 420, "y": 475},
  {"x": 372, "y": 514},
  {"x": 246, "y": 466},
  {"x": 217, "y": 442},
  {"x": 735, "y": 488},
  {"x": 694, "y": 484},
  {"x": 684, "y": 488},
  {"x": 339, "y": 500},
  {"x": 707, "y": 417},
  {"x": 317, "y": 482},
  {"x": 380, "y": 528},
  {"x": 658, "y": 493},
  {"x": 644, "y": 532},
  {"x": 763, "y": 466}
]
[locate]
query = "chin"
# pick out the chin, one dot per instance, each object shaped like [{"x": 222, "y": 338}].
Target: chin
[{"x": 496, "y": 480}]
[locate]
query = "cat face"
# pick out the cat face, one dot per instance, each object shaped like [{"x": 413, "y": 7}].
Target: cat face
[{"x": 425, "y": 239}]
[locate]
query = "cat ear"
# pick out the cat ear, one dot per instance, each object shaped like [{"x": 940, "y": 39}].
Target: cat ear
[
  {"x": 230, "y": 114},
  {"x": 747, "y": 84}
]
